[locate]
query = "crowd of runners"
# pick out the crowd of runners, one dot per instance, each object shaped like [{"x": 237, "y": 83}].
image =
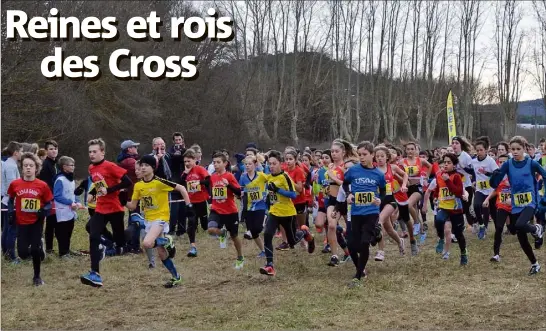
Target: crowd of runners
[{"x": 345, "y": 199}]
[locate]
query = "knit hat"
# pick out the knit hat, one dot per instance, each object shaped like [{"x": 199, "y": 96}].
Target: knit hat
[{"x": 149, "y": 160}]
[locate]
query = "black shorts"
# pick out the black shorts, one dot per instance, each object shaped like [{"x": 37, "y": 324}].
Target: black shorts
[
  {"x": 415, "y": 189},
  {"x": 332, "y": 201},
  {"x": 388, "y": 200},
  {"x": 300, "y": 208},
  {"x": 322, "y": 210},
  {"x": 363, "y": 228},
  {"x": 200, "y": 209},
  {"x": 254, "y": 221},
  {"x": 343, "y": 208},
  {"x": 230, "y": 221}
]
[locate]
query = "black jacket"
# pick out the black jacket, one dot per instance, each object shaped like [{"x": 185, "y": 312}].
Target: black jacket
[{"x": 48, "y": 172}]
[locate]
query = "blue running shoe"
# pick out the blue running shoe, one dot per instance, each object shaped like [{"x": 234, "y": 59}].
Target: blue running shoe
[
  {"x": 481, "y": 232},
  {"x": 261, "y": 255},
  {"x": 440, "y": 246},
  {"x": 464, "y": 259},
  {"x": 192, "y": 252},
  {"x": 138, "y": 219},
  {"x": 416, "y": 229},
  {"x": 423, "y": 238},
  {"x": 91, "y": 278}
]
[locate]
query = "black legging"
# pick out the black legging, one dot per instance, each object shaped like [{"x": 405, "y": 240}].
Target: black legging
[
  {"x": 362, "y": 231},
  {"x": 523, "y": 226},
  {"x": 482, "y": 213},
  {"x": 502, "y": 215},
  {"x": 31, "y": 235},
  {"x": 457, "y": 227},
  {"x": 468, "y": 204},
  {"x": 289, "y": 225}
]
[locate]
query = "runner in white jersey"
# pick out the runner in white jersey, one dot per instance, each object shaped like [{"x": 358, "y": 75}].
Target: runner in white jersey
[
  {"x": 483, "y": 166},
  {"x": 461, "y": 147}
]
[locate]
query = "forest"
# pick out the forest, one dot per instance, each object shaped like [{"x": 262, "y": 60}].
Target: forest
[{"x": 297, "y": 72}]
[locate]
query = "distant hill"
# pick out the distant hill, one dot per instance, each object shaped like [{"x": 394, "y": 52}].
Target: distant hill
[{"x": 527, "y": 108}]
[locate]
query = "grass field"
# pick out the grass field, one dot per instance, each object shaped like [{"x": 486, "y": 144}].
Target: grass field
[{"x": 422, "y": 292}]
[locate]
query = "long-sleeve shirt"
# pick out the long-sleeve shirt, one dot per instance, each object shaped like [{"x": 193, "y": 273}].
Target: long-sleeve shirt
[{"x": 10, "y": 172}]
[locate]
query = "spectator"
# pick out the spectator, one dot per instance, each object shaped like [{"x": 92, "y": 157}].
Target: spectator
[
  {"x": 10, "y": 172},
  {"x": 30, "y": 148},
  {"x": 42, "y": 154},
  {"x": 127, "y": 159},
  {"x": 47, "y": 174}
]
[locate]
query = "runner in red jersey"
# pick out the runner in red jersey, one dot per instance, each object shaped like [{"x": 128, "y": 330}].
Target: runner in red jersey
[
  {"x": 196, "y": 179},
  {"x": 388, "y": 203},
  {"x": 298, "y": 176},
  {"x": 32, "y": 200},
  {"x": 108, "y": 178},
  {"x": 224, "y": 211}
]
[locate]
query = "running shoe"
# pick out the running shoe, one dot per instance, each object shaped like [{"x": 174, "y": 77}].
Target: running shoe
[
  {"x": 440, "y": 246},
  {"x": 422, "y": 238},
  {"x": 380, "y": 256},
  {"x": 261, "y": 255},
  {"x": 283, "y": 247},
  {"x": 495, "y": 258},
  {"x": 91, "y": 278},
  {"x": 326, "y": 249},
  {"x": 464, "y": 259},
  {"x": 247, "y": 235},
  {"x": 481, "y": 232},
  {"x": 37, "y": 281},
  {"x": 416, "y": 229},
  {"x": 535, "y": 268},
  {"x": 42, "y": 250},
  {"x": 445, "y": 256},
  {"x": 475, "y": 228},
  {"x": 354, "y": 283},
  {"x": 538, "y": 233},
  {"x": 170, "y": 246},
  {"x": 192, "y": 252},
  {"x": 173, "y": 282},
  {"x": 401, "y": 246},
  {"x": 102, "y": 252},
  {"x": 538, "y": 243},
  {"x": 223, "y": 238},
  {"x": 414, "y": 249},
  {"x": 239, "y": 263},
  {"x": 267, "y": 270},
  {"x": 346, "y": 258},
  {"x": 334, "y": 261},
  {"x": 151, "y": 265},
  {"x": 454, "y": 239}
]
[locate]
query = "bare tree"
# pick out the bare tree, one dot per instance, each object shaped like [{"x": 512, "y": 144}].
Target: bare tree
[
  {"x": 509, "y": 55},
  {"x": 539, "y": 51}
]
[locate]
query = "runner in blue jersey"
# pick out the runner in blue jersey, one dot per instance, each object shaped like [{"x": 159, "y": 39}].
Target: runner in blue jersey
[
  {"x": 365, "y": 186},
  {"x": 521, "y": 171}
]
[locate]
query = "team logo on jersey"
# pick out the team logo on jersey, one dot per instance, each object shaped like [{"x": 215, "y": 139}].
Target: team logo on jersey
[{"x": 365, "y": 181}]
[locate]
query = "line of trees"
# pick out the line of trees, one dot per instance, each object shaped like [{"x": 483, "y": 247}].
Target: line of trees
[{"x": 296, "y": 72}]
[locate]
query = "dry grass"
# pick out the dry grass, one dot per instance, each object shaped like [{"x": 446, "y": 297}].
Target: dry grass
[{"x": 424, "y": 292}]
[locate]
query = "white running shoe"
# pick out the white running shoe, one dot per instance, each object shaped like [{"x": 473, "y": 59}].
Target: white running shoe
[{"x": 380, "y": 256}]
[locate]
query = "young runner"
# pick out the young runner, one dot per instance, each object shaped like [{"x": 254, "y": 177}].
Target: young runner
[
  {"x": 450, "y": 206},
  {"x": 483, "y": 166},
  {"x": 223, "y": 211},
  {"x": 503, "y": 203},
  {"x": 461, "y": 147},
  {"x": 365, "y": 185},
  {"x": 153, "y": 194},
  {"x": 108, "y": 178},
  {"x": 197, "y": 180},
  {"x": 66, "y": 204},
  {"x": 322, "y": 188},
  {"x": 388, "y": 203},
  {"x": 32, "y": 200},
  {"x": 282, "y": 212},
  {"x": 413, "y": 166},
  {"x": 521, "y": 171},
  {"x": 253, "y": 185},
  {"x": 298, "y": 176}
]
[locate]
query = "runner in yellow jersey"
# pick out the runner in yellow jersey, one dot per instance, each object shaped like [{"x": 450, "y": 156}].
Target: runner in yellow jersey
[
  {"x": 153, "y": 194},
  {"x": 282, "y": 212}
]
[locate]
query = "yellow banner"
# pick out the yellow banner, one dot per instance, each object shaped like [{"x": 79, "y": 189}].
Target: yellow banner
[{"x": 451, "y": 128}]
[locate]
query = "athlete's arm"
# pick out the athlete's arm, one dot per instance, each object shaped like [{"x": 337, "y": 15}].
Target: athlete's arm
[
  {"x": 402, "y": 174},
  {"x": 287, "y": 193},
  {"x": 184, "y": 194},
  {"x": 455, "y": 186},
  {"x": 205, "y": 182},
  {"x": 125, "y": 183},
  {"x": 81, "y": 188},
  {"x": 537, "y": 168},
  {"x": 498, "y": 175},
  {"x": 131, "y": 205}
]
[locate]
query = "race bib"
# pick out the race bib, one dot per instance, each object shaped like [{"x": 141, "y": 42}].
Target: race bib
[
  {"x": 147, "y": 203},
  {"x": 522, "y": 199},
  {"x": 505, "y": 198},
  {"x": 483, "y": 185},
  {"x": 445, "y": 194},
  {"x": 197, "y": 186},
  {"x": 412, "y": 171},
  {"x": 388, "y": 189},
  {"x": 364, "y": 198},
  {"x": 254, "y": 194},
  {"x": 273, "y": 198},
  {"x": 98, "y": 185},
  {"x": 219, "y": 193},
  {"x": 29, "y": 205}
]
